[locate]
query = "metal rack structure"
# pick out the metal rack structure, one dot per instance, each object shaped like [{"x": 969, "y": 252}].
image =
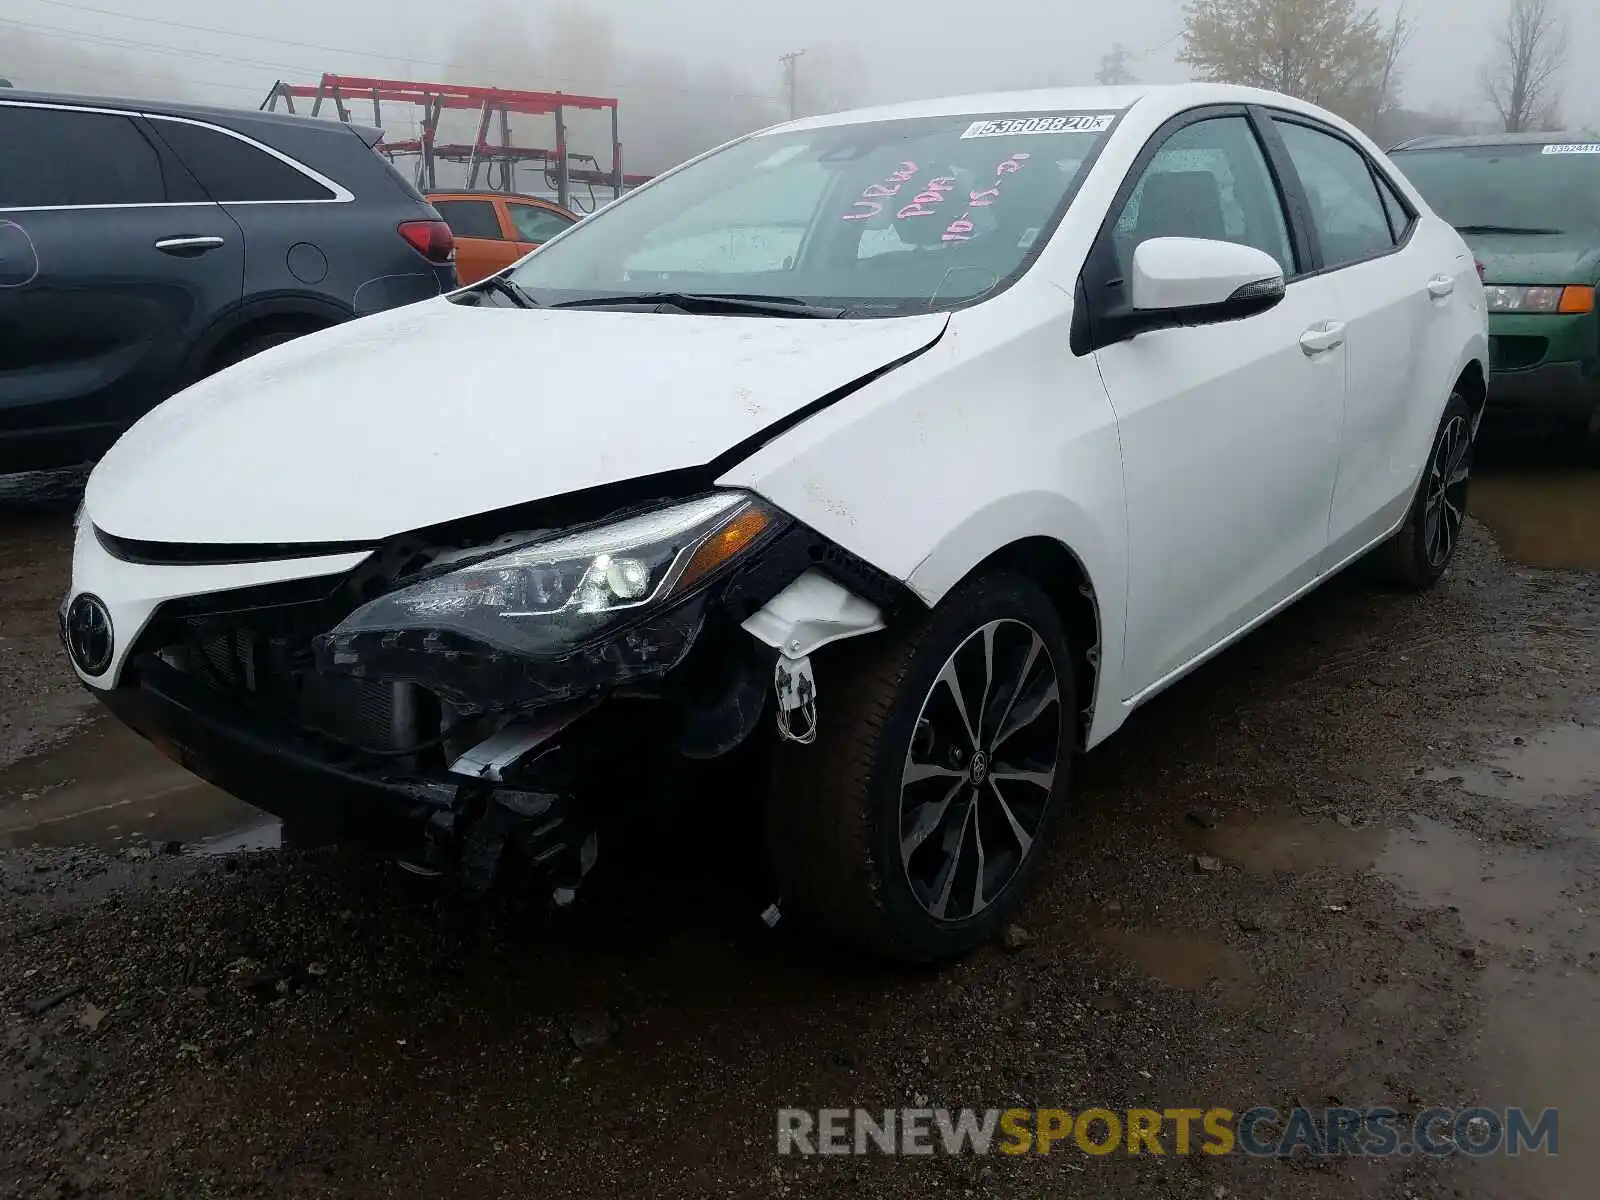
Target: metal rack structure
[{"x": 489, "y": 163}]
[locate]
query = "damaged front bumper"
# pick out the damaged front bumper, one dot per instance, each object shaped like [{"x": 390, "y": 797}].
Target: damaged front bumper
[
  {"x": 458, "y": 757},
  {"x": 438, "y": 822}
]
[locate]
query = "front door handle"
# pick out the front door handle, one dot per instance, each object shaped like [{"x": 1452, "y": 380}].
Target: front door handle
[
  {"x": 1322, "y": 337},
  {"x": 188, "y": 245},
  {"x": 1441, "y": 286}
]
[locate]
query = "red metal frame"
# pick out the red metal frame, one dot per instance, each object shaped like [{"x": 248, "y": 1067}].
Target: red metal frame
[{"x": 494, "y": 106}]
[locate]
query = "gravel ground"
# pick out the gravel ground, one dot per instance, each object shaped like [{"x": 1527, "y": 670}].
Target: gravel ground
[{"x": 1353, "y": 861}]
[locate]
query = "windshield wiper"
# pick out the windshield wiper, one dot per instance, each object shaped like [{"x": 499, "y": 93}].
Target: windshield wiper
[
  {"x": 1528, "y": 229},
  {"x": 510, "y": 290},
  {"x": 773, "y": 306}
]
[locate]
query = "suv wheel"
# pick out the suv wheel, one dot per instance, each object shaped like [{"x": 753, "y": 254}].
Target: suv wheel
[
  {"x": 912, "y": 825},
  {"x": 250, "y": 346}
]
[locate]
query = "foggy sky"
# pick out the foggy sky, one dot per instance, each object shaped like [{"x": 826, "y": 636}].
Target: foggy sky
[{"x": 909, "y": 48}]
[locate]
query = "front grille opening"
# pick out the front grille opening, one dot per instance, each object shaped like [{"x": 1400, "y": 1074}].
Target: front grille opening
[
  {"x": 1516, "y": 352},
  {"x": 276, "y": 676}
]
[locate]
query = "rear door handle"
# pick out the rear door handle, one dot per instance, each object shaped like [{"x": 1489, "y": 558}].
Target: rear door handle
[
  {"x": 1441, "y": 286},
  {"x": 188, "y": 245},
  {"x": 1322, "y": 337}
]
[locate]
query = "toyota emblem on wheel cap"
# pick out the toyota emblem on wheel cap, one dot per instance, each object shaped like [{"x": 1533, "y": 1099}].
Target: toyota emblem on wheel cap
[{"x": 89, "y": 637}]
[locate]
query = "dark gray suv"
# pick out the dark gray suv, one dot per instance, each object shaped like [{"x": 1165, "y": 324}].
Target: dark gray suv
[{"x": 145, "y": 245}]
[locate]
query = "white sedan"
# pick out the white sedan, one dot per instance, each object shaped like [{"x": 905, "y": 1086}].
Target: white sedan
[{"x": 908, "y": 449}]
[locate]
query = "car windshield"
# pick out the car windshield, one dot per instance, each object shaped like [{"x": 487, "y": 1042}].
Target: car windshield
[
  {"x": 872, "y": 219},
  {"x": 1542, "y": 188}
]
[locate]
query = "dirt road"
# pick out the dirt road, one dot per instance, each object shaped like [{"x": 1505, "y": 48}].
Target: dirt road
[{"x": 1354, "y": 861}]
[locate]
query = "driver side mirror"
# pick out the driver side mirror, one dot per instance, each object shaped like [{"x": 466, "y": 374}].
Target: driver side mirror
[{"x": 1179, "y": 281}]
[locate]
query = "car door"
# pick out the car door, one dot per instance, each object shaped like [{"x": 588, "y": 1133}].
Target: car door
[
  {"x": 1229, "y": 432},
  {"x": 482, "y": 247},
  {"x": 532, "y": 225},
  {"x": 301, "y": 228},
  {"x": 1396, "y": 290},
  {"x": 112, "y": 263}
]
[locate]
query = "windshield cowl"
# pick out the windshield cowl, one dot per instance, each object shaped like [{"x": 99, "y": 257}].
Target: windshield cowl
[{"x": 704, "y": 302}]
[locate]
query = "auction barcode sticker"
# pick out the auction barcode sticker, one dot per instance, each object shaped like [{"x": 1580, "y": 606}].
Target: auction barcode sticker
[
  {"x": 1574, "y": 148},
  {"x": 1023, "y": 126}
]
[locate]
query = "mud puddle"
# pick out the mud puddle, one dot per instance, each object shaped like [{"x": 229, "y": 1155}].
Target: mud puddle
[
  {"x": 1553, "y": 775},
  {"x": 1558, "y": 764},
  {"x": 1532, "y": 939},
  {"x": 1187, "y": 962},
  {"x": 1293, "y": 844},
  {"x": 1530, "y": 924},
  {"x": 1542, "y": 517},
  {"x": 105, "y": 786}
]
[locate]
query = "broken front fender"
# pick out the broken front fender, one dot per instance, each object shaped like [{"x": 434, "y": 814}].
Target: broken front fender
[{"x": 810, "y": 613}]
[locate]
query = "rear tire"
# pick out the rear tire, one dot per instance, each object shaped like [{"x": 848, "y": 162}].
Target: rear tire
[
  {"x": 902, "y": 829},
  {"x": 1421, "y": 550}
]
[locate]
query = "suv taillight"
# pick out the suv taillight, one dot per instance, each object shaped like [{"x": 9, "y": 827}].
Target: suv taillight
[
  {"x": 431, "y": 239},
  {"x": 1481, "y": 270}
]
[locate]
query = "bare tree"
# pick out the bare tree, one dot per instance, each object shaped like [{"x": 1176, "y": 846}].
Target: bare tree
[
  {"x": 1521, "y": 78},
  {"x": 1386, "y": 87},
  {"x": 1329, "y": 52}
]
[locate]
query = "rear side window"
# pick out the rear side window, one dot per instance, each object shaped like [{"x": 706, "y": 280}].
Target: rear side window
[
  {"x": 1345, "y": 206},
  {"x": 55, "y": 157},
  {"x": 235, "y": 172},
  {"x": 470, "y": 218},
  {"x": 1399, "y": 215}
]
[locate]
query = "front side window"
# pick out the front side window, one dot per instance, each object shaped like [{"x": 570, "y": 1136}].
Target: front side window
[
  {"x": 1345, "y": 206},
  {"x": 1517, "y": 188},
  {"x": 535, "y": 224},
  {"x": 880, "y": 218},
  {"x": 232, "y": 171},
  {"x": 60, "y": 158},
  {"x": 1208, "y": 180},
  {"x": 470, "y": 218}
]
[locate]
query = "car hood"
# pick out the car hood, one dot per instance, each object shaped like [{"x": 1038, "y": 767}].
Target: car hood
[
  {"x": 1537, "y": 259},
  {"x": 438, "y": 411}
]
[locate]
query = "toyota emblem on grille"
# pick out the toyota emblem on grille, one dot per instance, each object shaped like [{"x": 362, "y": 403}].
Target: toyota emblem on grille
[{"x": 89, "y": 637}]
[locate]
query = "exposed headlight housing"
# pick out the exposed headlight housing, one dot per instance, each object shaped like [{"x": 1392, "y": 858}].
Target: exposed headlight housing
[
  {"x": 1509, "y": 298},
  {"x": 553, "y": 594}
]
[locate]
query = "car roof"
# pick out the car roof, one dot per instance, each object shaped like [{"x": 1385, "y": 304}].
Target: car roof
[
  {"x": 1173, "y": 96},
  {"x": 216, "y": 114},
  {"x": 1450, "y": 141}
]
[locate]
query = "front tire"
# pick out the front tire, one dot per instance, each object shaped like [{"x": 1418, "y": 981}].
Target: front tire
[
  {"x": 1421, "y": 550},
  {"x": 913, "y": 824}
]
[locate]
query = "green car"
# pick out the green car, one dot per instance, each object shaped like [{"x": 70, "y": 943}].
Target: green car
[{"x": 1529, "y": 206}]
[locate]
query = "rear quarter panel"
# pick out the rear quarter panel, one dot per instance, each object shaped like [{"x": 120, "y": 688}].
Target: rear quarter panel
[{"x": 349, "y": 253}]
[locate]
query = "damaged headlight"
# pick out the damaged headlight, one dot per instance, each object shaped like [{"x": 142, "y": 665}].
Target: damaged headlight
[{"x": 548, "y": 596}]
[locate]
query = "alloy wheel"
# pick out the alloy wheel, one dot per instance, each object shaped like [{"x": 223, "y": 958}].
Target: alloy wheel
[
  {"x": 1448, "y": 478},
  {"x": 980, "y": 771}
]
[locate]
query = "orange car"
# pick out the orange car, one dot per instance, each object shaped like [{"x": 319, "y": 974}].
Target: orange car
[{"x": 494, "y": 229}]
